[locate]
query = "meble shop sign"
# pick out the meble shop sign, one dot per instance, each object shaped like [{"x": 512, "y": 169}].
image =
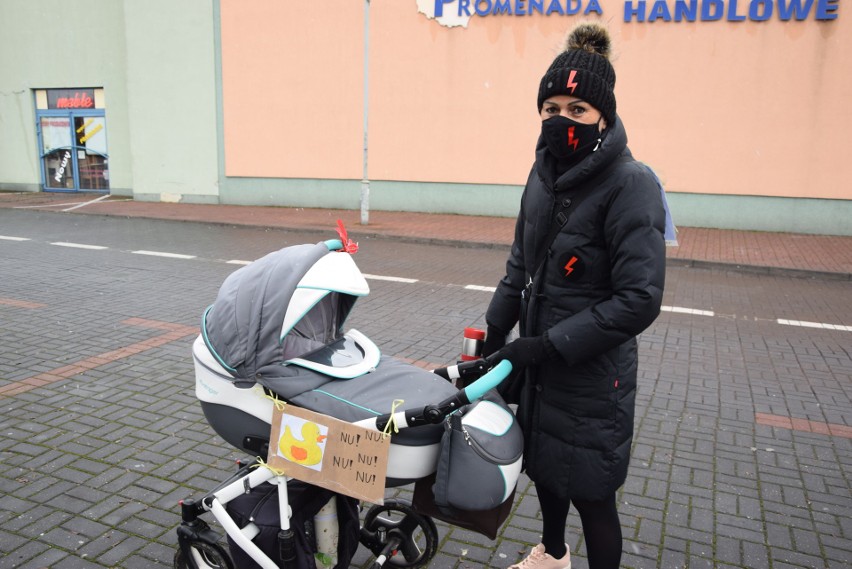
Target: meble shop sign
[{"x": 653, "y": 10}]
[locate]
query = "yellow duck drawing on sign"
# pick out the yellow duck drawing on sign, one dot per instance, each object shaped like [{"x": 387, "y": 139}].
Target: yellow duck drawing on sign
[{"x": 305, "y": 451}]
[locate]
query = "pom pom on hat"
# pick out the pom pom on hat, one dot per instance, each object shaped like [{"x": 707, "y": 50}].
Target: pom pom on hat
[
  {"x": 583, "y": 70},
  {"x": 592, "y": 37}
]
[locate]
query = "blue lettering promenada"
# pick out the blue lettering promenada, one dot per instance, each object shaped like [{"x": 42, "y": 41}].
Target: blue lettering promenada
[
  {"x": 520, "y": 7},
  {"x": 654, "y": 10}
]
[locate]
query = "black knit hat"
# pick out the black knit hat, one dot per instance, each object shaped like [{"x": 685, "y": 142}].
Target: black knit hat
[{"x": 583, "y": 70}]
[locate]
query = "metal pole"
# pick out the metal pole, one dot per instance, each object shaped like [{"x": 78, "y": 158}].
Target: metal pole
[{"x": 365, "y": 182}]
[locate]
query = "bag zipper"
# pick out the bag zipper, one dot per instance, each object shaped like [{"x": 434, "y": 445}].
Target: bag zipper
[
  {"x": 484, "y": 454},
  {"x": 260, "y": 503}
]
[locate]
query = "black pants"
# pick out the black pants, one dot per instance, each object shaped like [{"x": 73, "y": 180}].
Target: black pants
[{"x": 601, "y": 528}]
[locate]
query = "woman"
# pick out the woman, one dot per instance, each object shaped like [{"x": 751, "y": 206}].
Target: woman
[{"x": 585, "y": 275}]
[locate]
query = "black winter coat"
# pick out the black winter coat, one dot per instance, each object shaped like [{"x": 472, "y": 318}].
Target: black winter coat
[{"x": 600, "y": 284}]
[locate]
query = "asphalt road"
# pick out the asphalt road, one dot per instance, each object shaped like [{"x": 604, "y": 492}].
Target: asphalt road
[{"x": 102, "y": 434}]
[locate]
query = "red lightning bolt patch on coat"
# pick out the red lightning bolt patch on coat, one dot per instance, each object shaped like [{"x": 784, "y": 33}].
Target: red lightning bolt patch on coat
[{"x": 569, "y": 266}]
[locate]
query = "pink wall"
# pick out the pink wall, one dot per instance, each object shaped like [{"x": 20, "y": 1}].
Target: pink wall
[
  {"x": 292, "y": 88},
  {"x": 755, "y": 108},
  {"x": 741, "y": 108}
]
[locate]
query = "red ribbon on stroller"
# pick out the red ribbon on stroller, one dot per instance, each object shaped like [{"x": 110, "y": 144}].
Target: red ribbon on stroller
[{"x": 349, "y": 246}]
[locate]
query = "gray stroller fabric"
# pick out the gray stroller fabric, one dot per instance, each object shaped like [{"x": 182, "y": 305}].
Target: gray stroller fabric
[
  {"x": 367, "y": 396},
  {"x": 242, "y": 328}
]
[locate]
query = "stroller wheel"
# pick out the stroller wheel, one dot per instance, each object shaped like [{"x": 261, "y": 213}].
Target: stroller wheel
[
  {"x": 406, "y": 537},
  {"x": 204, "y": 556}
]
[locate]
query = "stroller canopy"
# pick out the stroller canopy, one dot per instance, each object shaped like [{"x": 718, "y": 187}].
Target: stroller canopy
[{"x": 281, "y": 306}]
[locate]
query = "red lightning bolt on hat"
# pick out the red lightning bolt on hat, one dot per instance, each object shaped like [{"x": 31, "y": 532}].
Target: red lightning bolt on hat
[{"x": 571, "y": 84}]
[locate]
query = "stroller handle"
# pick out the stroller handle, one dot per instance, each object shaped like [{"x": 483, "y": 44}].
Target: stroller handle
[
  {"x": 488, "y": 381},
  {"x": 434, "y": 414}
]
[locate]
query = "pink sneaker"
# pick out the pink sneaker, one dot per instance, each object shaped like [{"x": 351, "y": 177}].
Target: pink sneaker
[{"x": 538, "y": 559}]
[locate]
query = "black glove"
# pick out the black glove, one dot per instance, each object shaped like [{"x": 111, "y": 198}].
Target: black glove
[
  {"x": 524, "y": 352},
  {"x": 494, "y": 340}
]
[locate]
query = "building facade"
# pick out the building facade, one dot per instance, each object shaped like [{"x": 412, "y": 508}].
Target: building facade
[{"x": 423, "y": 105}]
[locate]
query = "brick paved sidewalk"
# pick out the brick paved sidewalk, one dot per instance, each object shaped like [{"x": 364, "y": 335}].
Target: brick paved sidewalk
[
  {"x": 743, "y": 426},
  {"x": 813, "y": 255}
]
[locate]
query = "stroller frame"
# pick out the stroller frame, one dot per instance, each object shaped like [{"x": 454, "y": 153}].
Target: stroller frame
[{"x": 199, "y": 545}]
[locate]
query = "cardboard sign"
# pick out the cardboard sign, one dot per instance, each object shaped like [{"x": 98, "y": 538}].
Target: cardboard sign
[{"x": 329, "y": 453}]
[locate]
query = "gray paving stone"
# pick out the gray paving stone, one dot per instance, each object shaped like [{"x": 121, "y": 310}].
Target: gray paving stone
[
  {"x": 806, "y": 542},
  {"x": 728, "y": 550},
  {"x": 690, "y": 535},
  {"x": 10, "y": 542},
  {"x": 141, "y": 562},
  {"x": 640, "y": 554},
  {"x": 11, "y": 503},
  {"x": 784, "y": 558},
  {"x": 156, "y": 551},
  {"x": 64, "y": 538},
  {"x": 97, "y": 546},
  {"x": 75, "y": 563},
  {"x": 701, "y": 560},
  {"x": 32, "y": 525},
  {"x": 114, "y": 512},
  {"x": 526, "y": 526},
  {"x": 755, "y": 555},
  {"x": 142, "y": 528},
  {"x": 702, "y": 520},
  {"x": 118, "y": 554},
  {"x": 838, "y": 557},
  {"x": 650, "y": 532},
  {"x": 33, "y": 556},
  {"x": 673, "y": 558}
]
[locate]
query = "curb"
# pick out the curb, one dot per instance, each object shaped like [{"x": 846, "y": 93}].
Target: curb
[
  {"x": 360, "y": 234},
  {"x": 758, "y": 269}
]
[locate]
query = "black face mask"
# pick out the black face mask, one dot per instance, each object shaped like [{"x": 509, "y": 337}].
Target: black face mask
[{"x": 570, "y": 141}]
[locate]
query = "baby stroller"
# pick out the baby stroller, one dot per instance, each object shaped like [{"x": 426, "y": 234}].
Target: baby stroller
[{"x": 275, "y": 332}]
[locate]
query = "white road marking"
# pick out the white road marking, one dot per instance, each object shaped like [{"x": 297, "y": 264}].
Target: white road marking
[
  {"x": 482, "y": 288},
  {"x": 664, "y": 308},
  {"x": 392, "y": 279},
  {"x": 80, "y": 246},
  {"x": 103, "y": 197},
  {"x": 682, "y": 310},
  {"x": 814, "y": 325},
  {"x": 161, "y": 254}
]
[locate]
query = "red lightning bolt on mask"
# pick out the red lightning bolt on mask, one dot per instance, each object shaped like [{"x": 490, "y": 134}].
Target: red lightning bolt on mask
[
  {"x": 571, "y": 140},
  {"x": 569, "y": 266},
  {"x": 571, "y": 84}
]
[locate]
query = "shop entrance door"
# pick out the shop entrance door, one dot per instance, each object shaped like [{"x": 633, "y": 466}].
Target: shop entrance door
[{"x": 73, "y": 151}]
